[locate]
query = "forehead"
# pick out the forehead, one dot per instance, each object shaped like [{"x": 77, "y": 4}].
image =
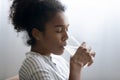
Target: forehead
[{"x": 59, "y": 19}]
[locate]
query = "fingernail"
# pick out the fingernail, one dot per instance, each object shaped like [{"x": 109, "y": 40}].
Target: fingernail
[{"x": 83, "y": 44}]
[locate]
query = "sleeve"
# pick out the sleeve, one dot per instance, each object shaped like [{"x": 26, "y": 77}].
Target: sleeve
[
  {"x": 39, "y": 70},
  {"x": 34, "y": 69}
]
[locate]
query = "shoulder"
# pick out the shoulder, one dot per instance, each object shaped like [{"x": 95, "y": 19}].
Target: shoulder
[
  {"x": 33, "y": 63},
  {"x": 34, "y": 67},
  {"x": 35, "y": 60}
]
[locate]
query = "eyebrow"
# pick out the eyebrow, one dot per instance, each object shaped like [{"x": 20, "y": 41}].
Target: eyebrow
[{"x": 61, "y": 25}]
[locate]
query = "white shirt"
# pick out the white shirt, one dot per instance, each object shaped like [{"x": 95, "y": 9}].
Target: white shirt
[{"x": 40, "y": 67}]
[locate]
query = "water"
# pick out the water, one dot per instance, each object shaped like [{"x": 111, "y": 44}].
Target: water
[{"x": 72, "y": 46}]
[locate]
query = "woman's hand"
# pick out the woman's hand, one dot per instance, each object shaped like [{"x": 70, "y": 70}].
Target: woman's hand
[{"x": 83, "y": 56}]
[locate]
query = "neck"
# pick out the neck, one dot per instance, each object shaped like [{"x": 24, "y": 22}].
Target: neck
[{"x": 40, "y": 50}]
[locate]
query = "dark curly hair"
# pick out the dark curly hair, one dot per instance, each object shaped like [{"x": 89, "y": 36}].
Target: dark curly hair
[{"x": 28, "y": 14}]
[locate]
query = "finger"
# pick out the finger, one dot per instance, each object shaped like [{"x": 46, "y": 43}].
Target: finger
[
  {"x": 81, "y": 64},
  {"x": 90, "y": 63},
  {"x": 91, "y": 58},
  {"x": 89, "y": 49},
  {"x": 87, "y": 58},
  {"x": 92, "y": 54},
  {"x": 83, "y": 45},
  {"x": 85, "y": 63},
  {"x": 81, "y": 50}
]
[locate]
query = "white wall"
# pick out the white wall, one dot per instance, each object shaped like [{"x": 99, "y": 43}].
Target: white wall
[
  {"x": 94, "y": 21},
  {"x": 98, "y": 23},
  {"x": 12, "y": 47}
]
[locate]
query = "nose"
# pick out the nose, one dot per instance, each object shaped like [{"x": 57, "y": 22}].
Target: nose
[{"x": 65, "y": 36}]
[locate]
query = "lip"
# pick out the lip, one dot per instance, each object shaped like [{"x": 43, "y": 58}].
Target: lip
[{"x": 63, "y": 45}]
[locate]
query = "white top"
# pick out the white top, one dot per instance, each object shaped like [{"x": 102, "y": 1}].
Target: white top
[{"x": 40, "y": 67}]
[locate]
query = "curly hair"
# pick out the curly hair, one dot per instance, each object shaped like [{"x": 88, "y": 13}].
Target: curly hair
[{"x": 28, "y": 14}]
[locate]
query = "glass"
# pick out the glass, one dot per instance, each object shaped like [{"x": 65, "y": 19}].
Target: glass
[{"x": 72, "y": 45}]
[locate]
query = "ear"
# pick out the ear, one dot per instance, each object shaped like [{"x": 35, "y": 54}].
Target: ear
[{"x": 36, "y": 34}]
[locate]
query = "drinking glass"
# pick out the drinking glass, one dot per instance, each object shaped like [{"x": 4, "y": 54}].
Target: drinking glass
[{"x": 72, "y": 45}]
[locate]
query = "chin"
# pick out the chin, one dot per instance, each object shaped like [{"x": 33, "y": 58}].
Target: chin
[{"x": 58, "y": 52}]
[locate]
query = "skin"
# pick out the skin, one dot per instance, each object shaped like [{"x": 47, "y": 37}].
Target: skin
[{"x": 53, "y": 40}]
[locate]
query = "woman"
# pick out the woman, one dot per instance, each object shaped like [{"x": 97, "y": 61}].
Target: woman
[{"x": 46, "y": 25}]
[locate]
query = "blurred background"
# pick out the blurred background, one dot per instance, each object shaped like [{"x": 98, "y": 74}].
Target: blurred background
[{"x": 97, "y": 22}]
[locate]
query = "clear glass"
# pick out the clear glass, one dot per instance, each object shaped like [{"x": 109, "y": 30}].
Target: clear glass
[{"x": 72, "y": 45}]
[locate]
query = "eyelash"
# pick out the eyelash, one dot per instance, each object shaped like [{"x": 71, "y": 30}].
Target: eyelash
[{"x": 59, "y": 31}]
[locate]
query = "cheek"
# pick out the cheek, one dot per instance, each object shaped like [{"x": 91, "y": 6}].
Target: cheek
[
  {"x": 53, "y": 43},
  {"x": 54, "y": 39}
]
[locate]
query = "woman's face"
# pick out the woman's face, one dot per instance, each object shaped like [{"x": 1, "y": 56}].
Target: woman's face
[{"x": 55, "y": 35}]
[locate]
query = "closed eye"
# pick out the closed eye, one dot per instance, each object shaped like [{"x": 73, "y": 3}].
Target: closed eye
[{"x": 59, "y": 29}]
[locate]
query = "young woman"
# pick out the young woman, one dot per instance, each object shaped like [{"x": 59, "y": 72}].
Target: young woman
[{"x": 46, "y": 25}]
